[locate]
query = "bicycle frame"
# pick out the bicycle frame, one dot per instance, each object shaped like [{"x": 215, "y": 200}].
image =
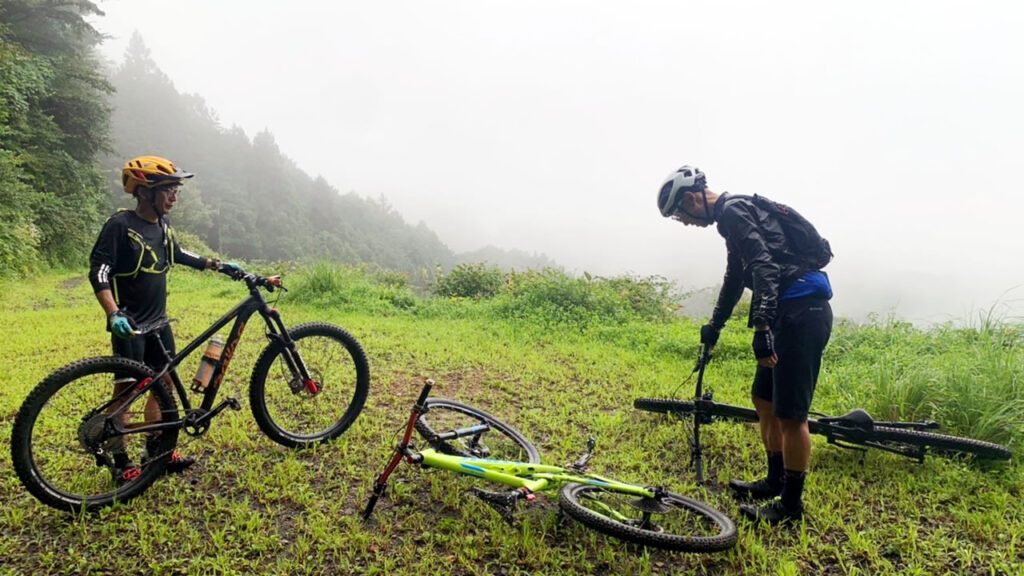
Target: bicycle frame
[
  {"x": 196, "y": 420},
  {"x": 523, "y": 475}
]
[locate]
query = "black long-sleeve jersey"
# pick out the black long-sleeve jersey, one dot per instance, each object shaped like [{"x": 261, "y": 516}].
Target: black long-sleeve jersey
[{"x": 131, "y": 257}]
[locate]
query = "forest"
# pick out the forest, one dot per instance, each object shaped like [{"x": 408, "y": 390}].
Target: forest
[{"x": 70, "y": 121}]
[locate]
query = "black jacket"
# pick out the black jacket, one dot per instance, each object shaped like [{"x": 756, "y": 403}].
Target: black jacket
[
  {"x": 131, "y": 258},
  {"x": 759, "y": 258}
]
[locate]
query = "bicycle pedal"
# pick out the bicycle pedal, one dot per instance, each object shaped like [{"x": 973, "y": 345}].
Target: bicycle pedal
[{"x": 233, "y": 403}]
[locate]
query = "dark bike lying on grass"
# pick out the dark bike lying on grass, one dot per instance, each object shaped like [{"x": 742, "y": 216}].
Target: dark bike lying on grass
[
  {"x": 469, "y": 441},
  {"x": 855, "y": 430},
  {"x": 307, "y": 386}
]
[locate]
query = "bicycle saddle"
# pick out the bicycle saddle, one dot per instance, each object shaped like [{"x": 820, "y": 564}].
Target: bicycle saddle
[
  {"x": 152, "y": 327},
  {"x": 857, "y": 417}
]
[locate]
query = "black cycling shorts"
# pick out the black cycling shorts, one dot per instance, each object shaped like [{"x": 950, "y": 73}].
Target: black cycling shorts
[
  {"x": 802, "y": 328},
  {"x": 143, "y": 349}
]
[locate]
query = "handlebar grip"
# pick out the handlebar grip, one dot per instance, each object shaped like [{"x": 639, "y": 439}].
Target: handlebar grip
[
  {"x": 703, "y": 357},
  {"x": 425, "y": 392},
  {"x": 233, "y": 273}
]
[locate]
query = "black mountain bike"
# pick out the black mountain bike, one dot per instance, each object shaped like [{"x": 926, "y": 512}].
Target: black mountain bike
[
  {"x": 308, "y": 386},
  {"x": 855, "y": 430}
]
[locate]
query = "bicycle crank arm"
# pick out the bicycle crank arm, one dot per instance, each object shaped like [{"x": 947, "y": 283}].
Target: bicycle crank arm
[
  {"x": 504, "y": 503},
  {"x": 199, "y": 424}
]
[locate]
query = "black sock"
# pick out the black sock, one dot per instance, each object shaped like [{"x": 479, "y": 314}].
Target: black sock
[
  {"x": 793, "y": 489},
  {"x": 775, "y": 468}
]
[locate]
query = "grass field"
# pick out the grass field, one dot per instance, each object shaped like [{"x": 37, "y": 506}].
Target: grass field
[{"x": 253, "y": 507}]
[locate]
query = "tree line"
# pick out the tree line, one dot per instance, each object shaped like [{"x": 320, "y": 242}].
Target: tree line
[{"x": 70, "y": 121}]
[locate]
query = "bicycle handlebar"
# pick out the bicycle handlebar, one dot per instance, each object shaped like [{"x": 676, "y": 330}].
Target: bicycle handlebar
[{"x": 271, "y": 283}]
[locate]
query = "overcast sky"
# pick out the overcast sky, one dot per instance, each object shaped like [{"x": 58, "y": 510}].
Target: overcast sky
[{"x": 548, "y": 126}]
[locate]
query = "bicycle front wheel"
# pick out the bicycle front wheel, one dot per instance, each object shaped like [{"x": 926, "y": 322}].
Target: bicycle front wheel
[
  {"x": 501, "y": 442},
  {"x": 63, "y": 445},
  {"x": 296, "y": 413},
  {"x": 668, "y": 520},
  {"x": 940, "y": 444},
  {"x": 686, "y": 408}
]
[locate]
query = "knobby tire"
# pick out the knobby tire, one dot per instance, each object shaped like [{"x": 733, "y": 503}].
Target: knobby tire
[
  {"x": 694, "y": 526},
  {"x": 686, "y": 408},
  {"x": 53, "y": 432},
  {"x": 502, "y": 442},
  {"x": 290, "y": 414},
  {"x": 939, "y": 444}
]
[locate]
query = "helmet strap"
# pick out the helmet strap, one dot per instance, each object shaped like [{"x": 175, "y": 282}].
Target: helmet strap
[
  {"x": 148, "y": 202},
  {"x": 707, "y": 217}
]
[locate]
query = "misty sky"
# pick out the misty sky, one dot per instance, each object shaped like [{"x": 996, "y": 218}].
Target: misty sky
[{"x": 548, "y": 126}]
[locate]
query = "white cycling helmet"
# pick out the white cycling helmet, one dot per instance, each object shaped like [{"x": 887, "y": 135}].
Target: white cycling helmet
[{"x": 678, "y": 183}]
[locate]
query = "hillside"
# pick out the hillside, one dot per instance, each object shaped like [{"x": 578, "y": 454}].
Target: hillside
[{"x": 249, "y": 200}]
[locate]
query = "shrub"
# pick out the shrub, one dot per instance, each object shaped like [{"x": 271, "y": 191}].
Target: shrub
[
  {"x": 551, "y": 297},
  {"x": 469, "y": 281},
  {"x": 336, "y": 285}
]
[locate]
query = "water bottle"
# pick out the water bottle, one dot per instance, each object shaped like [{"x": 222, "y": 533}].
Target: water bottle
[{"x": 210, "y": 358}]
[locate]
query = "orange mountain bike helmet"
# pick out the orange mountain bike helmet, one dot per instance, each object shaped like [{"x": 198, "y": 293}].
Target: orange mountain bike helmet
[{"x": 150, "y": 172}]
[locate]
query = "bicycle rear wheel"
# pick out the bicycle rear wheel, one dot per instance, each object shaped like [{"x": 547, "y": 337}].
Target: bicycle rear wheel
[
  {"x": 63, "y": 448},
  {"x": 940, "y": 444},
  {"x": 501, "y": 442},
  {"x": 295, "y": 413},
  {"x": 686, "y": 408},
  {"x": 668, "y": 520}
]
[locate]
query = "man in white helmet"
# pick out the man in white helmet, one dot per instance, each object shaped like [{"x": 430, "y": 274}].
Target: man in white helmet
[{"x": 778, "y": 255}]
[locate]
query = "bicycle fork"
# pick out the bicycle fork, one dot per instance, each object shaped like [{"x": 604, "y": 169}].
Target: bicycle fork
[
  {"x": 401, "y": 451},
  {"x": 301, "y": 380}
]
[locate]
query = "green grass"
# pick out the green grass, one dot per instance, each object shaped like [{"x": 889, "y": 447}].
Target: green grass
[{"x": 251, "y": 506}]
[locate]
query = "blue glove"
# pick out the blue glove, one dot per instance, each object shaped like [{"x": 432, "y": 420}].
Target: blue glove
[
  {"x": 230, "y": 267},
  {"x": 121, "y": 325}
]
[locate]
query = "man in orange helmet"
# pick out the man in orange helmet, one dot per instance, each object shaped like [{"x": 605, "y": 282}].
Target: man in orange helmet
[{"x": 128, "y": 271}]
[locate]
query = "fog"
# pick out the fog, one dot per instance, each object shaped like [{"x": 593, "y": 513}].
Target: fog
[{"x": 548, "y": 126}]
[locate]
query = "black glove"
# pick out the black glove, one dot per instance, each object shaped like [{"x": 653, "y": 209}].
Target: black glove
[
  {"x": 763, "y": 344},
  {"x": 709, "y": 335}
]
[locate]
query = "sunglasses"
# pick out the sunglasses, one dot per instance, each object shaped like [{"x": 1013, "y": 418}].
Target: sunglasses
[{"x": 170, "y": 190}]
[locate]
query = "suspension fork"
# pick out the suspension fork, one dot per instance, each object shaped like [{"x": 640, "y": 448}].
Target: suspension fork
[{"x": 302, "y": 380}]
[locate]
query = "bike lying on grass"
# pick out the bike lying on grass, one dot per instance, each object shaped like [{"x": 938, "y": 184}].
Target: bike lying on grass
[
  {"x": 469, "y": 441},
  {"x": 855, "y": 430},
  {"x": 307, "y": 386}
]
